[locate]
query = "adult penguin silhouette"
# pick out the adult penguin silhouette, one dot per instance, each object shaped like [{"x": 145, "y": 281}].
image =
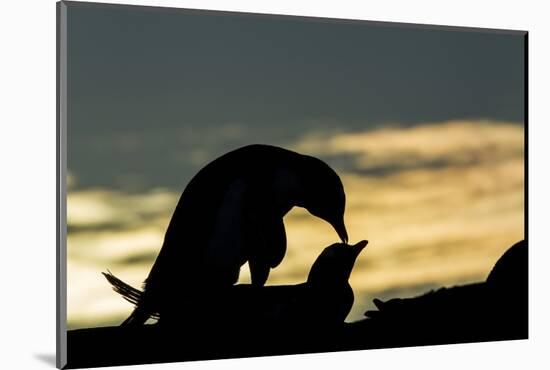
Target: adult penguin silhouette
[{"x": 231, "y": 213}]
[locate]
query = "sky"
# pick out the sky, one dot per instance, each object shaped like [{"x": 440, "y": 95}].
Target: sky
[{"x": 424, "y": 125}]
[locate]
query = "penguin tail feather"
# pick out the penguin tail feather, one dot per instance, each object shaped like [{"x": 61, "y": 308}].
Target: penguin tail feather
[
  {"x": 132, "y": 295},
  {"x": 127, "y": 292},
  {"x": 137, "y": 317}
]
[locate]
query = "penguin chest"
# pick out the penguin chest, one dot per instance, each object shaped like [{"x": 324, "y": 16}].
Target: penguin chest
[{"x": 331, "y": 304}]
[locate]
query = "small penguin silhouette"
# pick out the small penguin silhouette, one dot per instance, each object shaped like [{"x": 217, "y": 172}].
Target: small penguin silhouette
[
  {"x": 324, "y": 299},
  {"x": 231, "y": 213}
]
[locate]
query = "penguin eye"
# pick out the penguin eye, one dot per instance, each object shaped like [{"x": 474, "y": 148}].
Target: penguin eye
[{"x": 330, "y": 253}]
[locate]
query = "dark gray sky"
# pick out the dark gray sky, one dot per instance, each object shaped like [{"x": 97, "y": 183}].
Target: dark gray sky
[{"x": 155, "y": 94}]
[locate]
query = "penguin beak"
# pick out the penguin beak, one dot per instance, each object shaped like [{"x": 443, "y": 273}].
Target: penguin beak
[
  {"x": 360, "y": 246},
  {"x": 340, "y": 228}
]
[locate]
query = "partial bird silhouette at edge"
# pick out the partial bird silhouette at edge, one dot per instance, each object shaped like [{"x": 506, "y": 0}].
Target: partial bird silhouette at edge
[{"x": 496, "y": 309}]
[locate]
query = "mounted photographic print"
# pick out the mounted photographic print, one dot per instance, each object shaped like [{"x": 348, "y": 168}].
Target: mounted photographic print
[{"x": 237, "y": 185}]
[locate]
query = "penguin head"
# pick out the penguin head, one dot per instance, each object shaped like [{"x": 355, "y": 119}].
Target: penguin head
[
  {"x": 323, "y": 194},
  {"x": 334, "y": 264}
]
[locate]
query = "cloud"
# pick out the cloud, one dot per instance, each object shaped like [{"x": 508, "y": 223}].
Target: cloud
[
  {"x": 71, "y": 180},
  {"x": 97, "y": 207},
  {"x": 425, "y": 145}
]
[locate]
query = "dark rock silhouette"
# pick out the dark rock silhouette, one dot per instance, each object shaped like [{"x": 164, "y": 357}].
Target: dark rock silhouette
[
  {"x": 232, "y": 212},
  {"x": 486, "y": 311},
  {"x": 492, "y": 310}
]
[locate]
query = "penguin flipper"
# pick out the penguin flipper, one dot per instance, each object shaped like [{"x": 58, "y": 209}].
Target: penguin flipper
[
  {"x": 276, "y": 241},
  {"x": 259, "y": 271},
  {"x": 268, "y": 248}
]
